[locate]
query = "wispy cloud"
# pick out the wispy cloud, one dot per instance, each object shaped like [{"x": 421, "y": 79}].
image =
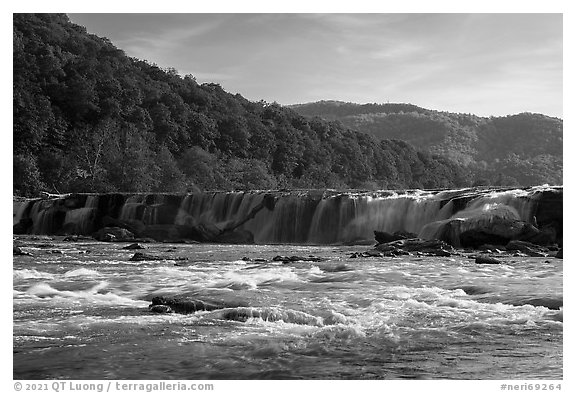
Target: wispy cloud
[{"x": 479, "y": 63}]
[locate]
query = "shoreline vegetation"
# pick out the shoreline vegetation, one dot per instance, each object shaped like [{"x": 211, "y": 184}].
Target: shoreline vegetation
[{"x": 88, "y": 118}]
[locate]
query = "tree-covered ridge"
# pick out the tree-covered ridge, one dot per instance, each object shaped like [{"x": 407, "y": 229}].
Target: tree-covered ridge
[
  {"x": 523, "y": 149},
  {"x": 87, "y": 118}
]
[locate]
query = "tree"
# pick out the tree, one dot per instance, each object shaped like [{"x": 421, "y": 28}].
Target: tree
[
  {"x": 171, "y": 178},
  {"x": 27, "y": 180}
]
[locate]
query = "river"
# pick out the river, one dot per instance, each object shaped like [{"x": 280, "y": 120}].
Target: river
[{"x": 81, "y": 312}]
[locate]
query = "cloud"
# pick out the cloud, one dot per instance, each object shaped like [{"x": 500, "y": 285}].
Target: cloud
[{"x": 485, "y": 59}]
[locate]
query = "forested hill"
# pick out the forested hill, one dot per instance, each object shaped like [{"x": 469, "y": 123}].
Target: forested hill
[
  {"x": 524, "y": 149},
  {"x": 88, "y": 118}
]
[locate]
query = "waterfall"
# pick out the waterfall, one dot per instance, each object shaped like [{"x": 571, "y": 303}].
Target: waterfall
[
  {"x": 19, "y": 210},
  {"x": 81, "y": 221},
  {"x": 301, "y": 217}
]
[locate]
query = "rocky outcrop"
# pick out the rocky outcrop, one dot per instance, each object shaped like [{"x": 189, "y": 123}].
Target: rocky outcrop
[{"x": 549, "y": 213}]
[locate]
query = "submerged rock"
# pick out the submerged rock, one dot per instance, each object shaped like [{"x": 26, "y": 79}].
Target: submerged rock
[
  {"x": 140, "y": 256},
  {"x": 186, "y": 305},
  {"x": 18, "y": 251},
  {"x": 486, "y": 260},
  {"x": 296, "y": 258},
  {"x": 134, "y": 246},
  {"x": 270, "y": 314},
  {"x": 160, "y": 308}
]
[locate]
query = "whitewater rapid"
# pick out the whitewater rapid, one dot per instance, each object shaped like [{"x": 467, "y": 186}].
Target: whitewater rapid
[{"x": 82, "y": 312}]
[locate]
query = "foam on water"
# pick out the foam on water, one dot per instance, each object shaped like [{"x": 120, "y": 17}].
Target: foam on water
[
  {"x": 383, "y": 313},
  {"x": 25, "y": 274},
  {"x": 82, "y": 272},
  {"x": 94, "y": 295}
]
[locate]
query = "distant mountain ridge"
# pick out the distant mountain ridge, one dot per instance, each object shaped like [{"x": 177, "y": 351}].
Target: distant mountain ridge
[{"x": 526, "y": 146}]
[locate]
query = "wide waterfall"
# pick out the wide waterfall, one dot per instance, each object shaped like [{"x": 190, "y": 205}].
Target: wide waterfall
[{"x": 296, "y": 217}]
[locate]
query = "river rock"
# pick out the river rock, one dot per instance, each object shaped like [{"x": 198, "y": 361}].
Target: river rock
[
  {"x": 160, "y": 308},
  {"x": 385, "y": 237},
  {"x": 237, "y": 236},
  {"x": 134, "y": 226},
  {"x": 113, "y": 234},
  {"x": 134, "y": 246},
  {"x": 140, "y": 256},
  {"x": 549, "y": 212},
  {"x": 498, "y": 230},
  {"x": 543, "y": 237},
  {"x": 432, "y": 247},
  {"x": 560, "y": 254},
  {"x": 18, "y": 251},
  {"x": 22, "y": 227},
  {"x": 187, "y": 305},
  {"x": 527, "y": 248},
  {"x": 486, "y": 260},
  {"x": 296, "y": 258},
  {"x": 162, "y": 232}
]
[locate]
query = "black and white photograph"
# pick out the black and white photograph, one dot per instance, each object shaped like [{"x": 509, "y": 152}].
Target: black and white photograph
[{"x": 214, "y": 196}]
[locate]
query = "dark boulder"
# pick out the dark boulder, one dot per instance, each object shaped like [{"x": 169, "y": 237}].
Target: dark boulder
[
  {"x": 237, "y": 236},
  {"x": 549, "y": 211},
  {"x": 160, "y": 308},
  {"x": 161, "y": 233},
  {"x": 297, "y": 258},
  {"x": 432, "y": 247},
  {"x": 527, "y": 248},
  {"x": 415, "y": 244},
  {"x": 134, "y": 246},
  {"x": 18, "y": 251},
  {"x": 203, "y": 232},
  {"x": 140, "y": 256},
  {"x": 544, "y": 236},
  {"x": 385, "y": 237},
  {"x": 113, "y": 234},
  {"x": 186, "y": 305},
  {"x": 560, "y": 254},
  {"x": 492, "y": 248},
  {"x": 486, "y": 260},
  {"x": 22, "y": 227},
  {"x": 134, "y": 226}
]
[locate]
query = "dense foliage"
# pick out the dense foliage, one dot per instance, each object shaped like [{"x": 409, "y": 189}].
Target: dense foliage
[
  {"x": 88, "y": 118},
  {"x": 523, "y": 149}
]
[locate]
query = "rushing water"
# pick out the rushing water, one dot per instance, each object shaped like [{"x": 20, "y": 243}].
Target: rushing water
[{"x": 81, "y": 312}]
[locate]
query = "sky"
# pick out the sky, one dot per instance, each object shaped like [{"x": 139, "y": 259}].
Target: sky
[{"x": 486, "y": 64}]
